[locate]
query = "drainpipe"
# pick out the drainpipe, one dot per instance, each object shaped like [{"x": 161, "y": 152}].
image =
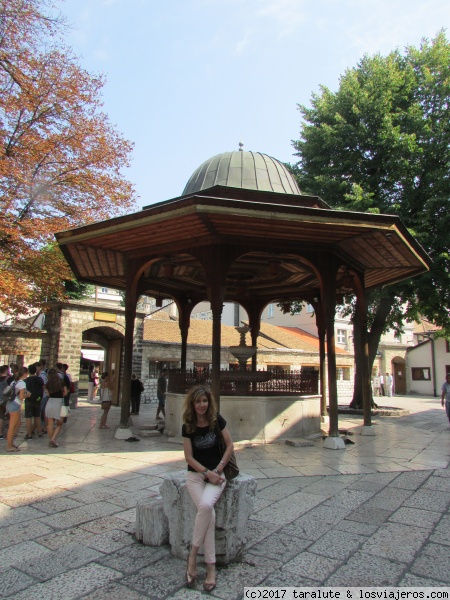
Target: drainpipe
[{"x": 433, "y": 365}]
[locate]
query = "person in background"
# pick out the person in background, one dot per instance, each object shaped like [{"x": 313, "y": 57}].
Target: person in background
[
  {"x": 445, "y": 396},
  {"x": 72, "y": 395},
  {"x": 57, "y": 390},
  {"x": 137, "y": 387},
  {"x": 35, "y": 386},
  {"x": 205, "y": 479},
  {"x": 41, "y": 371},
  {"x": 376, "y": 386},
  {"x": 96, "y": 382},
  {"x": 389, "y": 382},
  {"x": 380, "y": 375},
  {"x": 106, "y": 392},
  {"x": 91, "y": 378},
  {"x": 161, "y": 393},
  {"x": 4, "y": 373},
  {"x": 13, "y": 371},
  {"x": 13, "y": 408}
]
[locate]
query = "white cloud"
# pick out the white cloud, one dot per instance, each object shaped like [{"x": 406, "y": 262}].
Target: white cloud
[
  {"x": 242, "y": 45},
  {"x": 288, "y": 14}
]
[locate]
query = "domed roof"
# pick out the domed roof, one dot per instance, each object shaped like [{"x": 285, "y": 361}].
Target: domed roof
[{"x": 242, "y": 169}]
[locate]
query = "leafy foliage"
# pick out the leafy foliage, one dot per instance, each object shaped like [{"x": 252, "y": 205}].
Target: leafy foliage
[
  {"x": 61, "y": 160},
  {"x": 77, "y": 291},
  {"x": 381, "y": 144}
]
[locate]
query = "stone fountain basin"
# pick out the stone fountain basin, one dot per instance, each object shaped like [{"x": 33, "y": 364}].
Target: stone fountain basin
[{"x": 242, "y": 352}]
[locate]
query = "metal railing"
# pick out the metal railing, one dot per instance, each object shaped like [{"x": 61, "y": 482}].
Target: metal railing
[{"x": 249, "y": 383}]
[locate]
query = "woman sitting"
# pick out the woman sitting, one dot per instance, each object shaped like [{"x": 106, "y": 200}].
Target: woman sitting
[{"x": 205, "y": 481}]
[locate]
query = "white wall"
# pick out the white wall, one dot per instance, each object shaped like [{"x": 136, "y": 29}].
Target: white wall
[{"x": 421, "y": 357}]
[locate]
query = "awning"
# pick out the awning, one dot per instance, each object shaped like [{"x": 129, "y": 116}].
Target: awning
[{"x": 95, "y": 355}]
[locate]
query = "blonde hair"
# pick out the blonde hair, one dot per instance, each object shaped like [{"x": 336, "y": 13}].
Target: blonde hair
[{"x": 189, "y": 414}]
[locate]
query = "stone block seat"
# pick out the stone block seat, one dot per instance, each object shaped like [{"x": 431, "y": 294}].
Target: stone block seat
[{"x": 169, "y": 518}]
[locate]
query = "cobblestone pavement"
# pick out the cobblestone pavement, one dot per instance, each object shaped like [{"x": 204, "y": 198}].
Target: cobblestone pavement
[{"x": 374, "y": 514}]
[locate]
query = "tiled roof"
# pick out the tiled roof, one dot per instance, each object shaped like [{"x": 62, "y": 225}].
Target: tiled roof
[
  {"x": 424, "y": 326},
  {"x": 161, "y": 328}
]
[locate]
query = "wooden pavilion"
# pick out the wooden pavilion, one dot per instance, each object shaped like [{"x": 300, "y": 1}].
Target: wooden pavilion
[{"x": 242, "y": 232}]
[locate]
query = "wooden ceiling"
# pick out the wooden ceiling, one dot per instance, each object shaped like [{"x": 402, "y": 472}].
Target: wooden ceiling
[{"x": 272, "y": 237}]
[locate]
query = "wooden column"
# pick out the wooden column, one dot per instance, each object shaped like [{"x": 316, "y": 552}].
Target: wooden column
[
  {"x": 184, "y": 323},
  {"x": 131, "y": 297},
  {"x": 320, "y": 322},
  {"x": 254, "y": 310},
  {"x": 363, "y": 350},
  {"x": 216, "y": 308},
  {"x": 328, "y": 297}
]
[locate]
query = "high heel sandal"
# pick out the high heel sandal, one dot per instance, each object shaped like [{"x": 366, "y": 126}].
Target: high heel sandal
[
  {"x": 190, "y": 579},
  {"x": 209, "y": 587}
]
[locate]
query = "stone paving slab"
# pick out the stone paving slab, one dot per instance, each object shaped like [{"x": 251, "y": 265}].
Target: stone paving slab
[
  {"x": 376, "y": 513},
  {"x": 49, "y": 566},
  {"x": 366, "y": 570},
  {"x": 13, "y": 581}
]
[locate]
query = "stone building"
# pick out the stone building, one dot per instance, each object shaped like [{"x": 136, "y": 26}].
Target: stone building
[{"x": 157, "y": 343}]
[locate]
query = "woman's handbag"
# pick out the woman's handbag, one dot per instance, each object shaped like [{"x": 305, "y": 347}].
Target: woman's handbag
[
  {"x": 64, "y": 411},
  {"x": 231, "y": 470}
]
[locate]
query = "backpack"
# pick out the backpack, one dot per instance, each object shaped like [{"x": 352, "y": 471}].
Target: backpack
[{"x": 8, "y": 391}]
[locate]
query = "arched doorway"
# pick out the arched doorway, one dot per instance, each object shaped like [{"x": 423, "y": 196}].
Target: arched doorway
[{"x": 111, "y": 341}]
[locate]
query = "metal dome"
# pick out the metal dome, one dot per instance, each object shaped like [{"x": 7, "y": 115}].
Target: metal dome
[{"x": 242, "y": 169}]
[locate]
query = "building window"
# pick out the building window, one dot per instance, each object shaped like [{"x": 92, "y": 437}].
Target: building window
[
  {"x": 397, "y": 338},
  {"x": 309, "y": 308},
  {"x": 153, "y": 369},
  {"x": 270, "y": 311},
  {"x": 341, "y": 336},
  {"x": 343, "y": 373},
  {"x": 421, "y": 374},
  {"x": 447, "y": 345},
  {"x": 104, "y": 290}
]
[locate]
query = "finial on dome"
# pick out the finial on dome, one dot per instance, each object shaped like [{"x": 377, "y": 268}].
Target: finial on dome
[{"x": 241, "y": 146}]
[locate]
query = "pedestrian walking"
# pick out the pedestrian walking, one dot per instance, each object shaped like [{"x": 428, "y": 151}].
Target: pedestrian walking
[
  {"x": 14, "y": 406},
  {"x": 4, "y": 373},
  {"x": 35, "y": 385},
  {"x": 137, "y": 387},
  {"x": 54, "y": 411},
  {"x": 445, "y": 396},
  {"x": 106, "y": 392},
  {"x": 41, "y": 371},
  {"x": 161, "y": 393},
  {"x": 389, "y": 382},
  {"x": 383, "y": 393}
]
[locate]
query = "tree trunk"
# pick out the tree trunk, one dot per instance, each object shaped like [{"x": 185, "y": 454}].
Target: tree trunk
[{"x": 373, "y": 336}]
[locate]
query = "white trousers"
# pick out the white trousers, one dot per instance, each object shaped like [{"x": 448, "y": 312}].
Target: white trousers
[
  {"x": 204, "y": 496},
  {"x": 90, "y": 391}
]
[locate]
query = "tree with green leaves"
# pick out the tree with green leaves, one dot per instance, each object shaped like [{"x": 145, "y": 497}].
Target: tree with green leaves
[{"x": 381, "y": 144}]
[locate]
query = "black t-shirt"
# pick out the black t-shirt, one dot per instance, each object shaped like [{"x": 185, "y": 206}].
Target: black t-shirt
[
  {"x": 136, "y": 387},
  {"x": 35, "y": 385},
  {"x": 205, "y": 444}
]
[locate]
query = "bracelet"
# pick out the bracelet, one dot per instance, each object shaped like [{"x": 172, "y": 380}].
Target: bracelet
[
  {"x": 204, "y": 472},
  {"x": 222, "y": 463},
  {"x": 217, "y": 471}
]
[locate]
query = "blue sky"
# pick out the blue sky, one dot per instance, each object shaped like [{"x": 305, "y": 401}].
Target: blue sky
[{"x": 188, "y": 79}]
